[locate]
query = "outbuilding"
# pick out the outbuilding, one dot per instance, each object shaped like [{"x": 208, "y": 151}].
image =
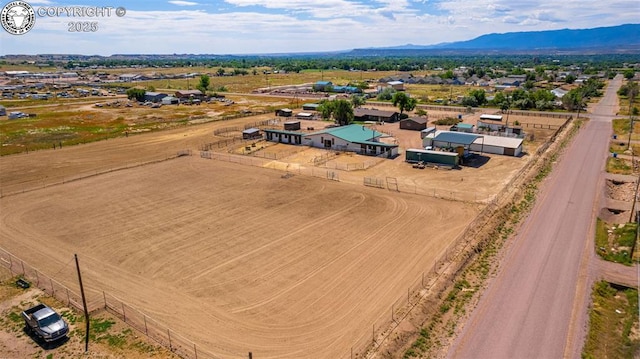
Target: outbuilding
[
  {"x": 310, "y": 107},
  {"x": 352, "y": 138},
  {"x": 169, "y": 100},
  {"x": 507, "y": 146},
  {"x": 292, "y": 125},
  {"x": 463, "y": 127},
  {"x": 284, "y": 112},
  {"x": 396, "y": 85},
  {"x": 305, "y": 115},
  {"x": 414, "y": 123},
  {"x": 370, "y": 114},
  {"x": 154, "y": 96},
  {"x": 414, "y": 155},
  {"x": 187, "y": 94},
  {"x": 492, "y": 122},
  {"x": 251, "y": 133},
  {"x": 290, "y": 137}
]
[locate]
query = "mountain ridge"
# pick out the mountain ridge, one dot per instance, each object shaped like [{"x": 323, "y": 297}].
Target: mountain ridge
[{"x": 612, "y": 38}]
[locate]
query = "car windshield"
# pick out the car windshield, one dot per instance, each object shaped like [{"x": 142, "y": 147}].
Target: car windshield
[{"x": 47, "y": 321}]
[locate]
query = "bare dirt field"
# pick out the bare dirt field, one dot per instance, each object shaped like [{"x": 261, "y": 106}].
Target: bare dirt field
[
  {"x": 240, "y": 258},
  {"x": 236, "y": 258}
]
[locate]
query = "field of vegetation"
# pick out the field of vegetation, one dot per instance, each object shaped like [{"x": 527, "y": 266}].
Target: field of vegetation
[{"x": 613, "y": 323}]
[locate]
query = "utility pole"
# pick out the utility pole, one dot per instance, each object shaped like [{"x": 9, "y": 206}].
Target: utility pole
[{"x": 84, "y": 305}]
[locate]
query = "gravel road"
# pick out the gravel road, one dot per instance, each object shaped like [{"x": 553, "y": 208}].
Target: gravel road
[{"x": 536, "y": 303}]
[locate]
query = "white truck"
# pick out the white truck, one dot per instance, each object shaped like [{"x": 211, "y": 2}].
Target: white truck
[{"x": 45, "y": 323}]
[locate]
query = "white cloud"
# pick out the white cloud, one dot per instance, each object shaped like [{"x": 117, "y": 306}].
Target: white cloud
[
  {"x": 183, "y": 3},
  {"x": 313, "y": 25}
]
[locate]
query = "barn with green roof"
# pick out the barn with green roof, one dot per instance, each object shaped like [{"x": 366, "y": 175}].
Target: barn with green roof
[{"x": 351, "y": 138}]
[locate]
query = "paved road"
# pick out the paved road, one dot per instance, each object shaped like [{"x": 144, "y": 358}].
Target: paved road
[{"x": 527, "y": 310}]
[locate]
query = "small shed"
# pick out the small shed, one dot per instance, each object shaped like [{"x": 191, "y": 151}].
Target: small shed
[
  {"x": 414, "y": 123},
  {"x": 463, "y": 127},
  {"x": 154, "y": 96},
  {"x": 284, "y": 112},
  {"x": 251, "y": 133},
  {"x": 169, "y": 100},
  {"x": 310, "y": 107},
  {"x": 305, "y": 115},
  {"x": 292, "y": 125},
  {"x": 424, "y": 133},
  {"x": 396, "y": 85}
]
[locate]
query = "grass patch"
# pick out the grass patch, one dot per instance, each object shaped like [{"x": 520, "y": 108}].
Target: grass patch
[
  {"x": 448, "y": 121},
  {"x": 101, "y": 325},
  {"x": 612, "y": 317},
  {"x": 620, "y": 166},
  {"x": 614, "y": 243}
]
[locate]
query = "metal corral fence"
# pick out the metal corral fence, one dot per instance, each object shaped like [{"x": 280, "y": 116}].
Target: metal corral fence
[
  {"x": 49, "y": 285},
  {"x": 442, "y": 270},
  {"x": 154, "y": 330},
  {"x": 55, "y": 181},
  {"x": 160, "y": 333},
  {"x": 345, "y": 173}
]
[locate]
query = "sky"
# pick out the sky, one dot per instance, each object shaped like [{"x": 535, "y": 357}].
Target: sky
[{"x": 286, "y": 26}]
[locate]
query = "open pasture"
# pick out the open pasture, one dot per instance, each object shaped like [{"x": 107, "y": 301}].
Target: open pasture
[{"x": 236, "y": 258}]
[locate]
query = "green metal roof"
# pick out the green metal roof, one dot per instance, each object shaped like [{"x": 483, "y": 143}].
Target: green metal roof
[
  {"x": 456, "y": 137},
  {"x": 352, "y": 133},
  {"x": 464, "y": 125}
]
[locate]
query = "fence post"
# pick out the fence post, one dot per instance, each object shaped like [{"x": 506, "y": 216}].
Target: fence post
[
  {"x": 37, "y": 279},
  {"x": 373, "y": 333},
  {"x": 68, "y": 299},
  {"x": 146, "y": 331},
  {"x": 23, "y": 272},
  {"x": 53, "y": 291},
  {"x": 195, "y": 351},
  {"x": 124, "y": 316},
  {"x": 169, "y": 334}
]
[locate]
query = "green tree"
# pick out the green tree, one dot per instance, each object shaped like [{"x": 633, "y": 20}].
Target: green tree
[
  {"x": 480, "y": 96},
  {"x": 343, "y": 112},
  {"x": 204, "y": 83},
  {"x": 220, "y": 72},
  {"x": 357, "y": 101},
  {"x": 574, "y": 100},
  {"x": 135, "y": 93},
  {"x": 386, "y": 94},
  {"x": 326, "y": 109},
  {"x": 404, "y": 102},
  {"x": 571, "y": 78},
  {"x": 629, "y": 73}
]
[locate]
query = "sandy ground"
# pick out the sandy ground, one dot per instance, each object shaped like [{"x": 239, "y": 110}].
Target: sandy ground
[
  {"x": 291, "y": 267},
  {"x": 237, "y": 258}
]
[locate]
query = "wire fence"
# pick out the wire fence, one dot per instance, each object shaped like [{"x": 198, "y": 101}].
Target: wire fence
[
  {"x": 435, "y": 278},
  {"x": 137, "y": 320},
  {"x": 432, "y": 279},
  {"x": 52, "y": 180},
  {"x": 347, "y": 173},
  {"x": 154, "y": 330}
]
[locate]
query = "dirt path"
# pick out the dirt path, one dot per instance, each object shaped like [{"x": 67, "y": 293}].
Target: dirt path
[{"x": 535, "y": 307}]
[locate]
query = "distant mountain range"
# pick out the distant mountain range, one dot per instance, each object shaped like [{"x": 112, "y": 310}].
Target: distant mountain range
[{"x": 622, "y": 38}]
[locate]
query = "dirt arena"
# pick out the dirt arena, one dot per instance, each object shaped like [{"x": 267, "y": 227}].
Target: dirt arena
[{"x": 236, "y": 258}]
